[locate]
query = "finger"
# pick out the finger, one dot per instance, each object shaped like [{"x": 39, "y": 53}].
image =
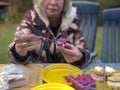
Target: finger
[
  {"x": 34, "y": 43},
  {"x": 24, "y": 38},
  {"x": 22, "y": 45},
  {"x": 63, "y": 50},
  {"x": 69, "y": 46},
  {"x": 32, "y": 47},
  {"x": 17, "y": 35},
  {"x": 66, "y": 51},
  {"x": 28, "y": 37},
  {"x": 28, "y": 44},
  {"x": 66, "y": 46}
]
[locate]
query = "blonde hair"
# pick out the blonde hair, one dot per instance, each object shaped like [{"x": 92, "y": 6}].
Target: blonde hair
[
  {"x": 68, "y": 15},
  {"x": 37, "y": 3}
]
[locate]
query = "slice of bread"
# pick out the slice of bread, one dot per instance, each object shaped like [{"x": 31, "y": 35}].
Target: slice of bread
[
  {"x": 114, "y": 85},
  {"x": 115, "y": 77},
  {"x": 97, "y": 77},
  {"x": 100, "y": 70},
  {"x": 114, "y": 81},
  {"x": 109, "y": 70}
]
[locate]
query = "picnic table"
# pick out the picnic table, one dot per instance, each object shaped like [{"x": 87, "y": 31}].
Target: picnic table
[
  {"x": 34, "y": 75},
  {"x": 36, "y": 79}
]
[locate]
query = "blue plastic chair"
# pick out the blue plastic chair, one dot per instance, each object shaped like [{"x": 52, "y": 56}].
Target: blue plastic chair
[
  {"x": 88, "y": 12},
  {"x": 111, "y": 35}
]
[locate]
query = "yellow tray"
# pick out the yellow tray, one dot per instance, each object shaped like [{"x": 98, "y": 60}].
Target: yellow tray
[
  {"x": 53, "y": 86},
  {"x": 55, "y": 73}
]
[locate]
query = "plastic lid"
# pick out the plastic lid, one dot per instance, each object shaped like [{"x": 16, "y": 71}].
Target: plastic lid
[
  {"x": 53, "y": 86},
  {"x": 55, "y": 73}
]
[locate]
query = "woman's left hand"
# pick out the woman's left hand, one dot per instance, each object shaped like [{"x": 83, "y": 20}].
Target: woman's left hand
[{"x": 70, "y": 52}]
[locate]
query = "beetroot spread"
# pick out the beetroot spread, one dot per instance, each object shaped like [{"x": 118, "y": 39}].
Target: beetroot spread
[
  {"x": 61, "y": 41},
  {"x": 81, "y": 82}
]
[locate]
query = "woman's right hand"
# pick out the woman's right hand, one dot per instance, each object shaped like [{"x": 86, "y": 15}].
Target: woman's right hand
[{"x": 25, "y": 42}]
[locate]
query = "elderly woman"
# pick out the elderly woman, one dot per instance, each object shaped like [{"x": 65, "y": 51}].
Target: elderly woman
[{"x": 47, "y": 25}]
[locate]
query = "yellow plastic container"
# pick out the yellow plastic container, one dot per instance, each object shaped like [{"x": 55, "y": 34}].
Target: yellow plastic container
[
  {"x": 100, "y": 85},
  {"x": 53, "y": 86},
  {"x": 55, "y": 73}
]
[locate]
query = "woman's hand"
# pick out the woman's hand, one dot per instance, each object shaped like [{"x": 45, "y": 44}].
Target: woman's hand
[
  {"x": 26, "y": 42},
  {"x": 70, "y": 52}
]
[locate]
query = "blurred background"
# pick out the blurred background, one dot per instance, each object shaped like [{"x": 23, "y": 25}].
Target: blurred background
[{"x": 12, "y": 12}]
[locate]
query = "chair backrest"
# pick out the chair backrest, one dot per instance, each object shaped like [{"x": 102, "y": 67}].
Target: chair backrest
[
  {"x": 111, "y": 35},
  {"x": 88, "y": 12}
]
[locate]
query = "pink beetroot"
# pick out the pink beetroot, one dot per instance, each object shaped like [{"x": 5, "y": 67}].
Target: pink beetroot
[
  {"x": 81, "y": 82},
  {"x": 61, "y": 41}
]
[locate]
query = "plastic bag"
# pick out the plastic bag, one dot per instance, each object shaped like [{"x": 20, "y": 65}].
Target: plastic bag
[
  {"x": 17, "y": 75},
  {"x": 3, "y": 81}
]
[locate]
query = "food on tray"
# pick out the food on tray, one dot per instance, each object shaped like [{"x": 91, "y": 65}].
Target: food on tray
[
  {"x": 98, "y": 72},
  {"x": 61, "y": 41},
  {"x": 17, "y": 75},
  {"x": 112, "y": 76},
  {"x": 113, "y": 81},
  {"x": 81, "y": 82},
  {"x": 3, "y": 81},
  {"x": 97, "y": 77}
]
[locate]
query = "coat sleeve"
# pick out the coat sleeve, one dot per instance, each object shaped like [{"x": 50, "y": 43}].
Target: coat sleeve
[
  {"x": 79, "y": 42},
  {"x": 26, "y": 28}
]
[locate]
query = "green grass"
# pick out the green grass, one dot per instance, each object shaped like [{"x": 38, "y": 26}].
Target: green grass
[
  {"x": 98, "y": 43},
  {"x": 6, "y": 37},
  {"x": 7, "y": 31}
]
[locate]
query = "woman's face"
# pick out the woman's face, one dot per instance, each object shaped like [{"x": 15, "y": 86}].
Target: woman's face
[{"x": 53, "y": 8}]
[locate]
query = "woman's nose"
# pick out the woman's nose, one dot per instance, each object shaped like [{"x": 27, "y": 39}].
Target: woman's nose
[{"x": 52, "y": 1}]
